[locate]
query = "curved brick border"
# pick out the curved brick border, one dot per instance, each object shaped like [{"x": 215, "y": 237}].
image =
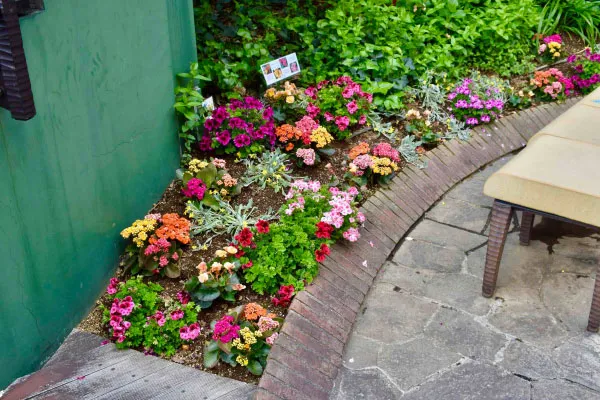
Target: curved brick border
[{"x": 306, "y": 357}]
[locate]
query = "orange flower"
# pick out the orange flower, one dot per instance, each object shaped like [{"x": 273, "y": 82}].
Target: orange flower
[
  {"x": 359, "y": 149},
  {"x": 253, "y": 311},
  {"x": 174, "y": 227},
  {"x": 287, "y": 132},
  {"x": 289, "y": 146}
]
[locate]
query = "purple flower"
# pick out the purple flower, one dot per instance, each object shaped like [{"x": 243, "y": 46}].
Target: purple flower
[
  {"x": 242, "y": 140},
  {"x": 462, "y": 104},
  {"x": 485, "y": 118},
  {"x": 237, "y": 123},
  {"x": 211, "y": 124},
  {"x": 268, "y": 113},
  {"x": 220, "y": 114},
  {"x": 252, "y": 102},
  {"x": 205, "y": 143},
  {"x": 224, "y": 137},
  {"x": 472, "y": 121}
]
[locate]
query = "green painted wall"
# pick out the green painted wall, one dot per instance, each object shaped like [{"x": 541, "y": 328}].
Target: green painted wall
[{"x": 99, "y": 153}]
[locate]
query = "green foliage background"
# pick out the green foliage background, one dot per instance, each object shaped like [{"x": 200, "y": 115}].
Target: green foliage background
[{"x": 383, "y": 46}]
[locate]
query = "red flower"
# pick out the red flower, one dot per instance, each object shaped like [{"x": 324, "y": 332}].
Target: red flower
[
  {"x": 262, "y": 226},
  {"x": 324, "y": 230},
  {"x": 244, "y": 238},
  {"x": 247, "y": 265},
  {"x": 285, "y": 294},
  {"x": 321, "y": 252}
]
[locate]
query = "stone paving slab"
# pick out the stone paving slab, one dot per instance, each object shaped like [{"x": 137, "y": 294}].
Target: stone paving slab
[{"x": 425, "y": 331}]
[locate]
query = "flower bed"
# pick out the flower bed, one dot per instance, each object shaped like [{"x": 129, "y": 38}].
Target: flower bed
[{"x": 268, "y": 185}]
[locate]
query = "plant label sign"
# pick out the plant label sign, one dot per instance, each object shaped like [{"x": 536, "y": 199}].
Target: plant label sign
[{"x": 280, "y": 69}]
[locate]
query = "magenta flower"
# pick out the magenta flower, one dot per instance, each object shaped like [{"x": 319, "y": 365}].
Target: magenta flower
[
  {"x": 195, "y": 188},
  {"x": 342, "y": 122},
  {"x": 242, "y": 140},
  {"x": 312, "y": 110},
  {"x": 224, "y": 137},
  {"x": 177, "y": 314},
  {"x": 352, "y": 107}
]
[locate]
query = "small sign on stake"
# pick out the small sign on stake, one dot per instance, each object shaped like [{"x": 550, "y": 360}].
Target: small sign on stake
[{"x": 280, "y": 69}]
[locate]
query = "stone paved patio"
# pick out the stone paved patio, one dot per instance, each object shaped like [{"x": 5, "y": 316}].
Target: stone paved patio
[{"x": 426, "y": 332}]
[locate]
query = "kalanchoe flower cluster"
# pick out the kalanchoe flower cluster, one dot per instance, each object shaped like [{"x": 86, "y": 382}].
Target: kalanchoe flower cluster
[
  {"x": 550, "y": 48},
  {"x": 194, "y": 189},
  {"x": 306, "y": 155},
  {"x": 551, "y": 84},
  {"x": 156, "y": 240},
  {"x": 284, "y": 296},
  {"x": 338, "y": 105},
  {"x": 473, "y": 107},
  {"x": 245, "y": 336},
  {"x": 374, "y": 164},
  {"x": 238, "y": 125},
  {"x": 306, "y": 136},
  {"x": 587, "y": 72},
  {"x": 225, "y": 330},
  {"x": 262, "y": 226},
  {"x": 244, "y": 238}
]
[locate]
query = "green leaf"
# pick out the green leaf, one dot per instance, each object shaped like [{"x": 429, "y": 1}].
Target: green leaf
[
  {"x": 205, "y": 294},
  {"x": 254, "y": 367},
  {"x": 172, "y": 270},
  {"x": 211, "y": 355},
  {"x": 208, "y": 175}
]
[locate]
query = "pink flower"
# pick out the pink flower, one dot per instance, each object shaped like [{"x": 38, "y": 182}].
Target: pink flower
[
  {"x": 163, "y": 261},
  {"x": 329, "y": 116},
  {"x": 175, "y": 256},
  {"x": 183, "y": 297},
  {"x": 224, "y": 330},
  {"x": 342, "y": 122},
  {"x": 194, "y": 188},
  {"x": 189, "y": 332},
  {"x": 362, "y": 120},
  {"x": 177, "y": 314},
  {"x": 311, "y": 92},
  {"x": 351, "y": 235},
  {"x": 307, "y": 155},
  {"x": 271, "y": 339},
  {"x": 386, "y": 150},
  {"x": 352, "y": 107},
  {"x": 312, "y": 110}
]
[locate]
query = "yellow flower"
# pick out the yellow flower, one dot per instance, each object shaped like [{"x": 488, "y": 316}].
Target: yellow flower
[
  {"x": 321, "y": 137},
  {"x": 264, "y": 172},
  {"x": 289, "y": 99},
  {"x": 242, "y": 360},
  {"x": 220, "y": 253}
]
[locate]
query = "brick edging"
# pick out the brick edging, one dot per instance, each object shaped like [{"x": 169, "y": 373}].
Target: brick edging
[{"x": 307, "y": 356}]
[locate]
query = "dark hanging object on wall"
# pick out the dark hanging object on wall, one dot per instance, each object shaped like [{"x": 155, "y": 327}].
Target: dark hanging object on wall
[{"x": 15, "y": 86}]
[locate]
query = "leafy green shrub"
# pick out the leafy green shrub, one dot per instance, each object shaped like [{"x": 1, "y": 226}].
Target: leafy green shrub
[
  {"x": 188, "y": 104},
  {"x": 135, "y": 320},
  {"x": 288, "y": 252},
  {"x": 381, "y": 45},
  {"x": 581, "y": 17},
  {"x": 235, "y": 37}
]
